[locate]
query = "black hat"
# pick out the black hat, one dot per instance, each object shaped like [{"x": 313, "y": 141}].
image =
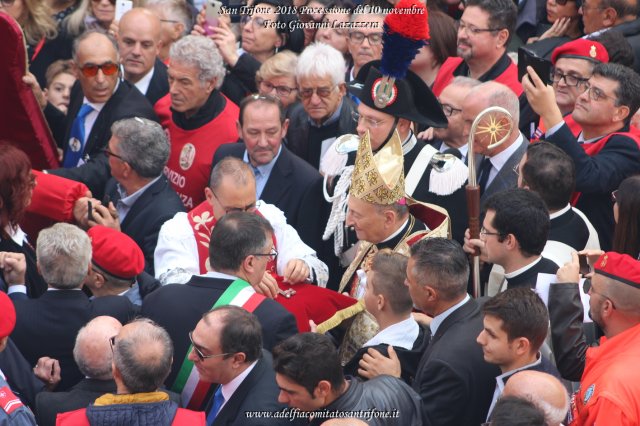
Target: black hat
[{"x": 411, "y": 98}]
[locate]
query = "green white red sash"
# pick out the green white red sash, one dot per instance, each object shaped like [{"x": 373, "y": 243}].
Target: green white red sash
[{"x": 194, "y": 391}]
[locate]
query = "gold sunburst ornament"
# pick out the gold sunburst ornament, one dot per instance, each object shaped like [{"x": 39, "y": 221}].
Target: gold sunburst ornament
[{"x": 496, "y": 127}]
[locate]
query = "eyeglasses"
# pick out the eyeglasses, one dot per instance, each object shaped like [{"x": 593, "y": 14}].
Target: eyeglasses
[
  {"x": 7, "y": 3},
  {"x": 91, "y": 70},
  {"x": 588, "y": 289},
  {"x": 473, "y": 31},
  {"x": 584, "y": 7},
  {"x": 562, "y": 2},
  {"x": 171, "y": 21},
  {"x": 228, "y": 210},
  {"x": 265, "y": 86},
  {"x": 614, "y": 196},
  {"x": 370, "y": 122},
  {"x": 357, "y": 37},
  {"x": 112, "y": 154},
  {"x": 323, "y": 92},
  {"x": 272, "y": 254},
  {"x": 199, "y": 353},
  {"x": 449, "y": 110},
  {"x": 569, "y": 80},
  {"x": 484, "y": 232},
  {"x": 596, "y": 94},
  {"x": 256, "y": 21}
]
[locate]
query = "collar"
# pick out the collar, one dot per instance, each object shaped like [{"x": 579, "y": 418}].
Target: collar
[
  {"x": 523, "y": 269},
  {"x": 582, "y": 140},
  {"x": 334, "y": 117},
  {"x": 131, "y": 398},
  {"x": 395, "y": 234},
  {"x": 98, "y": 106},
  {"x": 143, "y": 84},
  {"x": 18, "y": 236},
  {"x": 264, "y": 169},
  {"x": 439, "y": 319},
  {"x": 129, "y": 200},
  {"x": 502, "y": 379},
  {"x": 402, "y": 334},
  {"x": 560, "y": 212},
  {"x": 464, "y": 149},
  {"x": 499, "y": 160},
  {"x": 213, "y": 106},
  {"x": 409, "y": 143},
  {"x": 229, "y": 389},
  {"x": 222, "y": 275}
]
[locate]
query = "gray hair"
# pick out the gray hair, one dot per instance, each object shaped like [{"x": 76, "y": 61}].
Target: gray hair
[
  {"x": 463, "y": 81},
  {"x": 202, "y": 53},
  {"x": 91, "y": 351},
  {"x": 175, "y": 9},
  {"x": 64, "y": 255},
  {"x": 143, "y": 144},
  {"x": 497, "y": 94},
  {"x": 234, "y": 167},
  {"x": 85, "y": 35},
  {"x": 143, "y": 356},
  {"x": 321, "y": 60}
]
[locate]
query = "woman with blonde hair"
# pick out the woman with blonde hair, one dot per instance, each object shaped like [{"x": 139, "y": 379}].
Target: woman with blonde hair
[
  {"x": 91, "y": 15},
  {"x": 277, "y": 76}
]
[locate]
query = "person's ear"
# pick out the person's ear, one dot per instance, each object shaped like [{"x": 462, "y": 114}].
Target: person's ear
[
  {"x": 609, "y": 17},
  {"x": 503, "y": 36},
  {"x": 323, "y": 389}
]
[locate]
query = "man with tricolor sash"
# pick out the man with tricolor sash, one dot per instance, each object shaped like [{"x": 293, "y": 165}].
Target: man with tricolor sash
[
  {"x": 241, "y": 245},
  {"x": 184, "y": 247},
  {"x": 606, "y": 151}
]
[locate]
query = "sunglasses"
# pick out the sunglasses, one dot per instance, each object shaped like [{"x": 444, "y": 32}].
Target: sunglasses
[{"x": 91, "y": 70}]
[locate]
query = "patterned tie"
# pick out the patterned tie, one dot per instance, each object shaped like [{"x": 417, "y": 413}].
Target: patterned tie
[
  {"x": 77, "y": 139},
  {"x": 485, "y": 171},
  {"x": 218, "y": 400}
]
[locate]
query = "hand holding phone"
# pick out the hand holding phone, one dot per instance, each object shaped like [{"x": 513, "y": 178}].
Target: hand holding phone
[
  {"x": 584, "y": 264},
  {"x": 90, "y": 211},
  {"x": 212, "y": 15},
  {"x": 541, "y": 66},
  {"x": 122, "y": 7}
]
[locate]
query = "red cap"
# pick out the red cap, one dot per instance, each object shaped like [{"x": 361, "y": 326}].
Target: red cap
[
  {"x": 581, "y": 49},
  {"x": 116, "y": 253},
  {"x": 619, "y": 267},
  {"x": 7, "y": 315}
]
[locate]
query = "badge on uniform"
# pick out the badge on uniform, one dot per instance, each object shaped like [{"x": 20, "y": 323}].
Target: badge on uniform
[
  {"x": 589, "y": 393},
  {"x": 75, "y": 144},
  {"x": 8, "y": 401},
  {"x": 187, "y": 155}
]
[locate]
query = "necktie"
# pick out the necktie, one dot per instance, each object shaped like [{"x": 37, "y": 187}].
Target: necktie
[
  {"x": 485, "y": 171},
  {"x": 218, "y": 400},
  {"x": 77, "y": 138}
]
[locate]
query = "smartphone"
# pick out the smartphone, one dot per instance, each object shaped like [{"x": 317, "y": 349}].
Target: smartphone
[
  {"x": 122, "y": 7},
  {"x": 584, "y": 264},
  {"x": 212, "y": 14},
  {"x": 541, "y": 66},
  {"x": 90, "y": 211}
]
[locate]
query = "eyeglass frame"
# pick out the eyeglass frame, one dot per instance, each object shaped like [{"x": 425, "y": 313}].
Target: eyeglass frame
[
  {"x": 273, "y": 254},
  {"x": 372, "y": 123},
  {"x": 473, "y": 30},
  {"x": 199, "y": 353},
  {"x": 587, "y": 288},
  {"x": 580, "y": 81},
  {"x": 112, "y": 154},
  {"x": 316, "y": 90},
  {"x": 483, "y": 231},
  {"x": 452, "y": 110},
  {"x": 101, "y": 67},
  {"x": 599, "y": 96},
  {"x": 228, "y": 210},
  {"x": 7, "y": 3},
  {"x": 245, "y": 19},
  {"x": 372, "y": 43},
  {"x": 287, "y": 90}
]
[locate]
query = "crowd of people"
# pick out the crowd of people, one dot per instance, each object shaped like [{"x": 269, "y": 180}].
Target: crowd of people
[{"x": 291, "y": 215}]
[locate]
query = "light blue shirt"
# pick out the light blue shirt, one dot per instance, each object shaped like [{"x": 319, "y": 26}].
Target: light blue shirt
[
  {"x": 439, "y": 319},
  {"x": 125, "y": 202},
  {"x": 261, "y": 172}
]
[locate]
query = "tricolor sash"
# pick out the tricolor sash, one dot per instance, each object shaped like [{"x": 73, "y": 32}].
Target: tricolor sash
[{"x": 188, "y": 384}]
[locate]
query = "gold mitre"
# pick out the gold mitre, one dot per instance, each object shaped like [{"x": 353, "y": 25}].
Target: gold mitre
[{"x": 379, "y": 178}]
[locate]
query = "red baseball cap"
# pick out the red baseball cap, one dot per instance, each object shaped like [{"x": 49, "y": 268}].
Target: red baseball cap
[
  {"x": 7, "y": 315},
  {"x": 116, "y": 253}
]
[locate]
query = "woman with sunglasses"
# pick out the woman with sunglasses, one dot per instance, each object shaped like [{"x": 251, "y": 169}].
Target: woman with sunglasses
[
  {"x": 91, "y": 15},
  {"x": 259, "y": 40},
  {"x": 562, "y": 24},
  {"x": 15, "y": 195},
  {"x": 626, "y": 213}
]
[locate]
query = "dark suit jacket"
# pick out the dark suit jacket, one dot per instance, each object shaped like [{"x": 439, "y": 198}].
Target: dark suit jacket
[
  {"x": 159, "y": 84},
  {"x": 47, "y": 326},
  {"x": 598, "y": 176},
  {"x": 155, "y": 206},
  {"x": 179, "y": 307},
  {"x": 257, "y": 392},
  {"x": 49, "y": 404},
  {"x": 126, "y": 102},
  {"x": 455, "y": 383},
  {"x": 19, "y": 374},
  {"x": 294, "y": 187},
  {"x": 506, "y": 177}
]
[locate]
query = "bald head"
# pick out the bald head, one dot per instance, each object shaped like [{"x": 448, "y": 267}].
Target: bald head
[
  {"x": 92, "y": 350},
  {"x": 139, "y": 42},
  {"x": 543, "y": 390}
]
